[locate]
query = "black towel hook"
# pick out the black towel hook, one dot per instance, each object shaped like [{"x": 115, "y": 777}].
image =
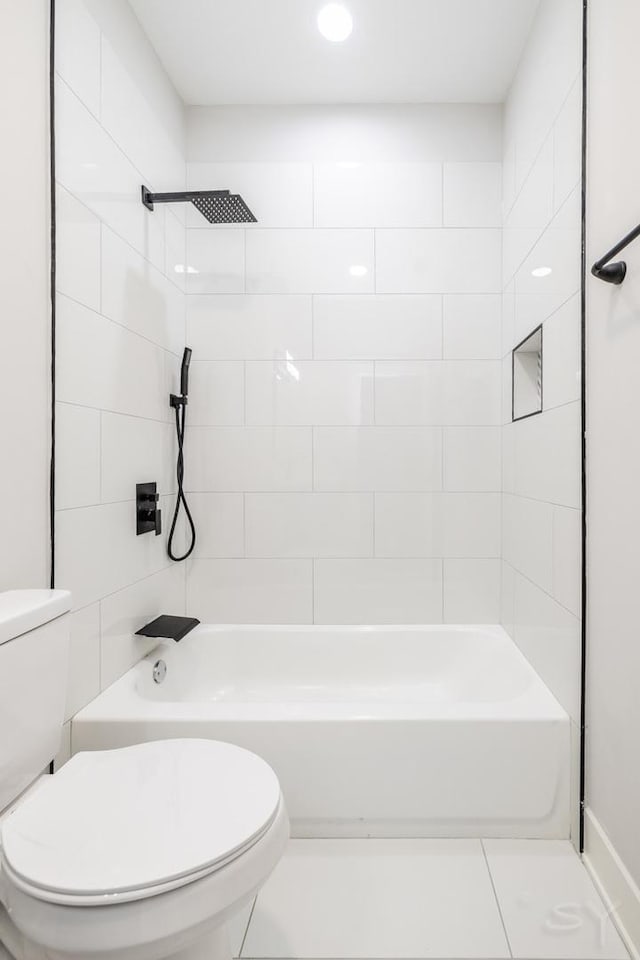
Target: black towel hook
[{"x": 614, "y": 272}]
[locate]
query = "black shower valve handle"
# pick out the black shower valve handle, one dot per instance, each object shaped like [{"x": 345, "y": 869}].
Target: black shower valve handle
[{"x": 176, "y": 401}]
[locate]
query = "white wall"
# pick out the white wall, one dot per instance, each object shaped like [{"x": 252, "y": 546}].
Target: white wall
[
  {"x": 613, "y": 511},
  {"x": 344, "y": 448},
  {"x": 541, "y": 537},
  {"x": 120, "y": 314},
  {"x": 25, "y": 322}
]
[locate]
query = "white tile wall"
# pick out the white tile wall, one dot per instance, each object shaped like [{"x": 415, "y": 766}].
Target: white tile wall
[
  {"x": 472, "y": 327},
  {"x": 217, "y": 391},
  {"x": 278, "y": 194},
  {"x": 378, "y": 194},
  {"x": 346, "y": 380},
  {"x": 78, "y": 456},
  {"x": 77, "y": 250},
  {"x": 473, "y": 195},
  {"x": 215, "y": 261},
  {"x": 471, "y": 591},
  {"x": 309, "y": 524},
  {"x": 219, "y": 520},
  {"x": 309, "y": 392},
  {"x": 438, "y": 261},
  {"x": 377, "y": 458},
  {"x": 251, "y": 591},
  {"x": 541, "y": 519},
  {"x": 121, "y": 330},
  {"x": 377, "y": 327},
  {"x": 124, "y": 612},
  {"x": 250, "y": 327},
  {"x": 310, "y": 261},
  {"x": 378, "y": 591},
  {"x": 228, "y": 459}
]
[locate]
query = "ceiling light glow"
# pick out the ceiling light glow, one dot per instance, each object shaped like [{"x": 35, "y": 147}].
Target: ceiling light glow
[
  {"x": 541, "y": 272},
  {"x": 335, "y": 22}
]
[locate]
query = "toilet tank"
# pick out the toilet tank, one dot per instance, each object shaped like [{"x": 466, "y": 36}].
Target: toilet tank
[{"x": 34, "y": 654}]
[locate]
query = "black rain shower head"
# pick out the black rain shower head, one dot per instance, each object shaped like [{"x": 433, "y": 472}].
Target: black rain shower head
[{"x": 217, "y": 206}]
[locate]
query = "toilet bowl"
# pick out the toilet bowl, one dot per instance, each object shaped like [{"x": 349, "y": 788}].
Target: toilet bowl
[
  {"x": 143, "y": 852},
  {"x": 138, "y": 853}
]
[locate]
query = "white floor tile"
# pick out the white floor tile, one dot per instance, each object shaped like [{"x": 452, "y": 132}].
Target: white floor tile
[
  {"x": 549, "y": 905},
  {"x": 237, "y": 928},
  {"x": 378, "y": 898}
]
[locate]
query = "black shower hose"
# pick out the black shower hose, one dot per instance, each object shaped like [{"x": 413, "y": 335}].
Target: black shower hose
[{"x": 181, "y": 417}]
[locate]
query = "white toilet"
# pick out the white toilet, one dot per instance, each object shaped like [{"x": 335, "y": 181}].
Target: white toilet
[{"x": 140, "y": 853}]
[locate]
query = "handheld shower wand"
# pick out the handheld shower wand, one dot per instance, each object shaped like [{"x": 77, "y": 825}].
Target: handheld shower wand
[{"x": 179, "y": 404}]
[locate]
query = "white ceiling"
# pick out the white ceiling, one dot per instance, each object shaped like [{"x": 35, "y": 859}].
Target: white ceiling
[{"x": 400, "y": 51}]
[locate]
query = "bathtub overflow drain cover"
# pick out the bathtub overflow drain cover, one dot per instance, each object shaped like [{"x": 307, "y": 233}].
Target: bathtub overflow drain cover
[{"x": 159, "y": 671}]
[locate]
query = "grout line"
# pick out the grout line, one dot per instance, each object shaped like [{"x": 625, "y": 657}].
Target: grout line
[
  {"x": 253, "y": 906},
  {"x": 495, "y": 894}
]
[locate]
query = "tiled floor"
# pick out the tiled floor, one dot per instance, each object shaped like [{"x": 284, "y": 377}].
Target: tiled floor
[{"x": 414, "y": 899}]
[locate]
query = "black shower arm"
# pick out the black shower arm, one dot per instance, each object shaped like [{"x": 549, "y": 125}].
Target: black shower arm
[
  {"x": 614, "y": 272},
  {"x": 187, "y": 196}
]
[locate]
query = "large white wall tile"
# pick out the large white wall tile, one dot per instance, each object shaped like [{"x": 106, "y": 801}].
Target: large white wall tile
[
  {"x": 528, "y": 538},
  {"x": 378, "y": 194},
  {"x": 377, "y": 458},
  {"x": 562, "y": 360},
  {"x": 460, "y": 392},
  {"x": 128, "y": 610},
  {"x": 101, "y": 364},
  {"x": 120, "y": 276},
  {"x": 249, "y": 327},
  {"x": 548, "y": 456},
  {"x": 77, "y": 51},
  {"x": 472, "y": 327},
  {"x": 98, "y": 551},
  {"x": 278, "y": 194},
  {"x": 262, "y": 459},
  {"x": 549, "y": 636},
  {"x": 557, "y": 253},
  {"x": 438, "y": 261},
  {"x": 472, "y": 459},
  {"x": 473, "y": 195},
  {"x": 531, "y": 212},
  {"x": 567, "y": 155},
  {"x": 216, "y": 393},
  {"x": 77, "y": 250},
  {"x": 83, "y": 683},
  {"x": 310, "y": 261},
  {"x": 471, "y": 525},
  {"x": 378, "y": 591},
  {"x": 175, "y": 252},
  {"x": 567, "y": 567},
  {"x": 438, "y": 525},
  {"x": 383, "y": 327},
  {"x": 96, "y": 171},
  {"x": 77, "y": 456},
  {"x": 138, "y": 296},
  {"x": 129, "y": 117},
  {"x": 251, "y": 591},
  {"x": 215, "y": 261},
  {"x": 134, "y": 451},
  {"x": 219, "y": 520},
  {"x": 309, "y": 524},
  {"x": 409, "y": 525},
  {"x": 309, "y": 392},
  {"x": 471, "y": 591},
  {"x": 410, "y": 392}
]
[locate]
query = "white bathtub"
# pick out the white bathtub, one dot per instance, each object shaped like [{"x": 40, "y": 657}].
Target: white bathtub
[{"x": 373, "y": 731}]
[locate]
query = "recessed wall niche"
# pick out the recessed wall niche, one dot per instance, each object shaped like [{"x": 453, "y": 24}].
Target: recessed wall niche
[{"x": 526, "y": 398}]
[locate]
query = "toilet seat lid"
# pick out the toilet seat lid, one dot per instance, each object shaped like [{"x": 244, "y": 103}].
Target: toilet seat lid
[{"x": 120, "y": 821}]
